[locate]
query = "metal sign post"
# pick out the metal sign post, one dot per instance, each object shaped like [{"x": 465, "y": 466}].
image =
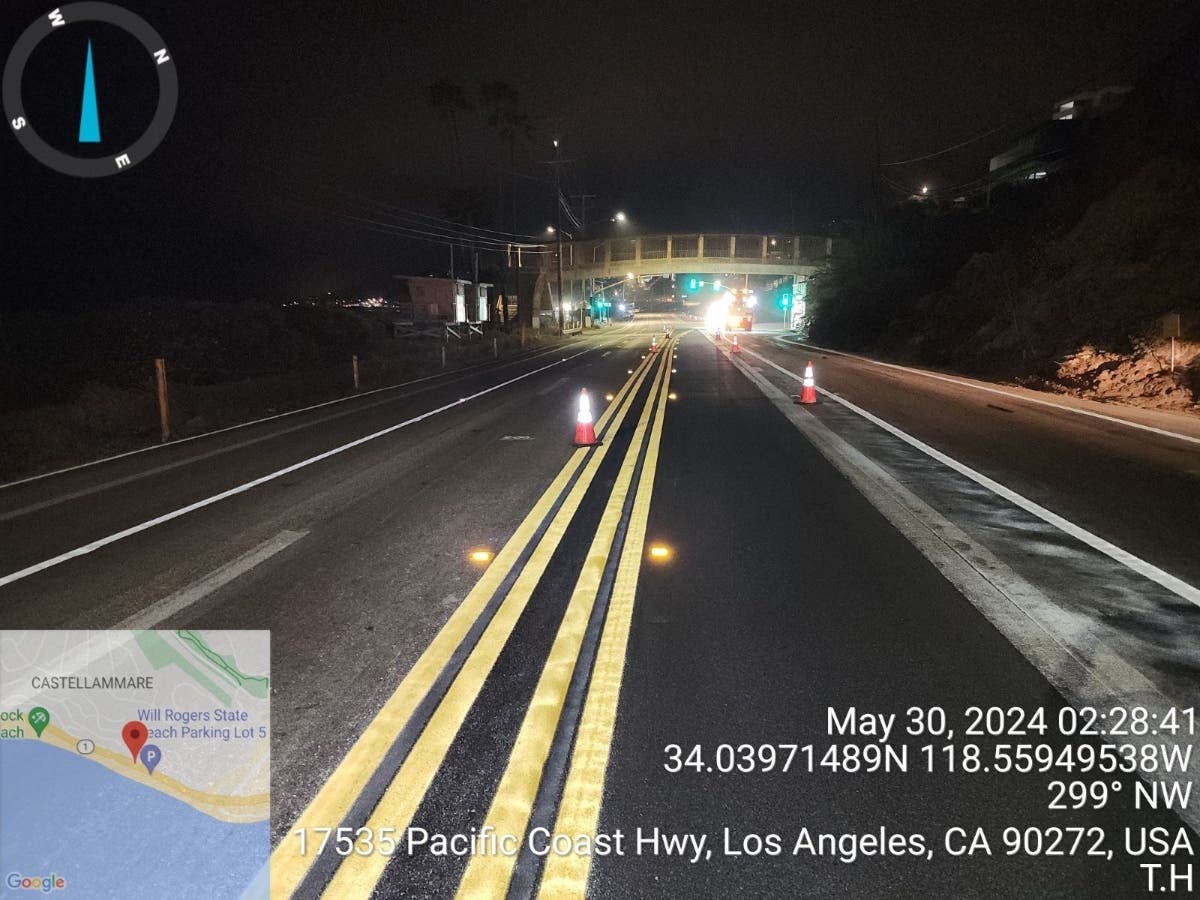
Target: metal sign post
[{"x": 1170, "y": 326}]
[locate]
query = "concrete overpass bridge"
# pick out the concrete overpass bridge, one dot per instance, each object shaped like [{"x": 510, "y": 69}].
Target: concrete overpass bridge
[{"x": 586, "y": 261}]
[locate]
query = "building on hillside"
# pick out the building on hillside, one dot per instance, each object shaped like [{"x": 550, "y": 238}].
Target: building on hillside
[
  {"x": 1090, "y": 104},
  {"x": 1048, "y": 146}
]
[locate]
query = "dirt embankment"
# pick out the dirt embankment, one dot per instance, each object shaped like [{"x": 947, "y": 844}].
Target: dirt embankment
[
  {"x": 1081, "y": 312},
  {"x": 1142, "y": 378},
  {"x": 1061, "y": 283}
]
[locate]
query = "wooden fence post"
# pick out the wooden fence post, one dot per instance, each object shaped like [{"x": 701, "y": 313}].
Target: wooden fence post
[{"x": 164, "y": 408}]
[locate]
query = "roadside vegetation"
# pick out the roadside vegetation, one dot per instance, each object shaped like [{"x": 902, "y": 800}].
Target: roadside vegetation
[
  {"x": 80, "y": 386},
  {"x": 1062, "y": 285}
]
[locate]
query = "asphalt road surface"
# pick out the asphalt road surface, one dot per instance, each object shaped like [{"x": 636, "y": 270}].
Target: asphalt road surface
[{"x": 740, "y": 648}]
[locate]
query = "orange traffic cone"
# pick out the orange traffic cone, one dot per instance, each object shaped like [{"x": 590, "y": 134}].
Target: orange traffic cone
[
  {"x": 808, "y": 393},
  {"x": 654, "y": 343},
  {"x": 585, "y": 431},
  {"x": 735, "y": 348}
]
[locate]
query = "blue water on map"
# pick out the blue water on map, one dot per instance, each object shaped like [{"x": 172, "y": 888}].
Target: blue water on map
[{"x": 109, "y": 836}]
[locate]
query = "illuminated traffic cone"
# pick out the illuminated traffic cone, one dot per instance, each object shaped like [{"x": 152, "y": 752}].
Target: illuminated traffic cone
[
  {"x": 585, "y": 431},
  {"x": 808, "y": 393},
  {"x": 654, "y": 343},
  {"x": 735, "y": 348}
]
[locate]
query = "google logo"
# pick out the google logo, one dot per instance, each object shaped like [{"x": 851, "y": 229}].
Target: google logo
[{"x": 43, "y": 883}]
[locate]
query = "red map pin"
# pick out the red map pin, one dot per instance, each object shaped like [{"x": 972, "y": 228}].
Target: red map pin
[{"x": 134, "y": 734}]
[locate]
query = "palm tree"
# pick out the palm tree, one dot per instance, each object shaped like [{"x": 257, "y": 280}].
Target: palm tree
[
  {"x": 450, "y": 99},
  {"x": 503, "y": 113}
]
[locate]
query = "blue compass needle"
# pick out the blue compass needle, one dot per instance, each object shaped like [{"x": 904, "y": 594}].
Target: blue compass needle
[{"x": 89, "y": 119}]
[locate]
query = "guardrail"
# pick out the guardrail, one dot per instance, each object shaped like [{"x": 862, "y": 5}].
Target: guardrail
[{"x": 445, "y": 330}]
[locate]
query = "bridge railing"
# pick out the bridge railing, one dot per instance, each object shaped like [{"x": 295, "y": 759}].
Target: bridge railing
[{"x": 775, "y": 249}]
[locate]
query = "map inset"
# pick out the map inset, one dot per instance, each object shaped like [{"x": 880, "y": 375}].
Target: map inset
[{"x": 135, "y": 763}]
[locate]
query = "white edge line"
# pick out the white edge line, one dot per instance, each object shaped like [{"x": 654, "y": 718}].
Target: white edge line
[
  {"x": 161, "y": 610},
  {"x": 291, "y": 412},
  {"x": 242, "y": 488},
  {"x": 1001, "y": 392},
  {"x": 1136, "y": 564},
  {"x": 1012, "y": 605}
]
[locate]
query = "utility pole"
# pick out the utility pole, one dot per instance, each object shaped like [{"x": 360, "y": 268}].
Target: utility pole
[
  {"x": 558, "y": 238},
  {"x": 475, "y": 277},
  {"x": 558, "y": 235},
  {"x": 877, "y": 175},
  {"x": 558, "y": 163}
]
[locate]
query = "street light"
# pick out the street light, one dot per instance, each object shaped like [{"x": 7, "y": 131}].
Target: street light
[
  {"x": 550, "y": 229},
  {"x": 619, "y": 218}
]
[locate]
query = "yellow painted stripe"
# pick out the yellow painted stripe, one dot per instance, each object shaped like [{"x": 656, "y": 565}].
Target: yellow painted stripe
[
  {"x": 357, "y": 875},
  {"x": 566, "y": 877},
  {"x": 333, "y": 801},
  {"x": 488, "y": 875}
]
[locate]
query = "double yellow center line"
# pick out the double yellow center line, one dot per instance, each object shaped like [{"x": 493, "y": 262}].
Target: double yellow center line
[
  {"x": 489, "y": 875},
  {"x": 292, "y": 872}
]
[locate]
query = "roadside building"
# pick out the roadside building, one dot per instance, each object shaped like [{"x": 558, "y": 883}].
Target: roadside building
[{"x": 429, "y": 299}]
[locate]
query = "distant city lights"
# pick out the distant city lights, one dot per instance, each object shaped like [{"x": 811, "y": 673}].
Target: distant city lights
[{"x": 352, "y": 302}]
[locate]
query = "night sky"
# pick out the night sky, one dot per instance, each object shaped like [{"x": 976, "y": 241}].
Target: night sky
[{"x": 295, "y": 115}]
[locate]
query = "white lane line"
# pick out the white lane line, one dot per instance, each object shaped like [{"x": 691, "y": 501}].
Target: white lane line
[
  {"x": 291, "y": 412},
  {"x": 1135, "y": 563},
  {"x": 249, "y": 485},
  {"x": 1003, "y": 393},
  {"x": 161, "y": 610},
  {"x": 1061, "y": 645}
]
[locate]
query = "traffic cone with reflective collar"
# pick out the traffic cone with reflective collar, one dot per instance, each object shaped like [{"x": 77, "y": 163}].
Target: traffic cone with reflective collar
[
  {"x": 585, "y": 430},
  {"x": 735, "y": 348},
  {"x": 654, "y": 343},
  {"x": 808, "y": 391}
]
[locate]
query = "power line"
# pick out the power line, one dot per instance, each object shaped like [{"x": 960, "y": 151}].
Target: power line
[
  {"x": 566, "y": 208},
  {"x": 953, "y": 147},
  {"x": 422, "y": 218},
  {"x": 1119, "y": 63},
  {"x": 415, "y": 233},
  {"x": 401, "y": 231},
  {"x": 449, "y": 233}
]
